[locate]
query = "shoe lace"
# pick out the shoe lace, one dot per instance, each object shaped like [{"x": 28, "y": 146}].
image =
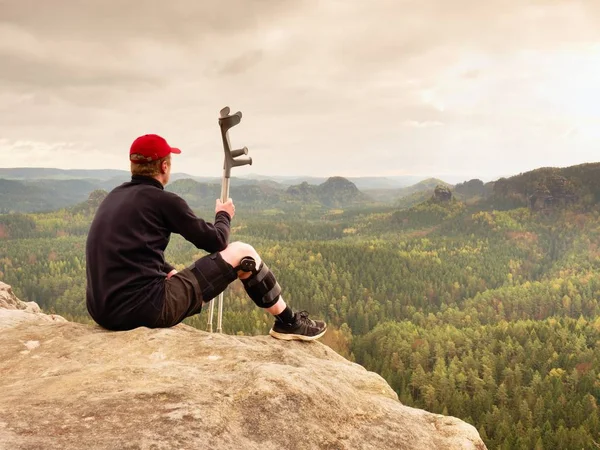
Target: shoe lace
[{"x": 302, "y": 316}]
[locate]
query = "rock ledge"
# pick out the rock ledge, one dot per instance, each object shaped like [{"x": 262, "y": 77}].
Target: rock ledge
[{"x": 70, "y": 386}]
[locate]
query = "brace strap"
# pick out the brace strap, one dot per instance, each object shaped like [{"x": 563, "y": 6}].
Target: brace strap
[{"x": 262, "y": 287}]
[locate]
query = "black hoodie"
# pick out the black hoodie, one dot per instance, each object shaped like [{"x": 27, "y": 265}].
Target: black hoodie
[{"x": 125, "y": 262}]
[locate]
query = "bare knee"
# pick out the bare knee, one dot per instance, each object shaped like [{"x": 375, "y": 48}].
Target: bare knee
[{"x": 234, "y": 253}]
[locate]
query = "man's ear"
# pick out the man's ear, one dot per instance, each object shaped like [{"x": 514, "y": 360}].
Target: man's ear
[{"x": 164, "y": 167}]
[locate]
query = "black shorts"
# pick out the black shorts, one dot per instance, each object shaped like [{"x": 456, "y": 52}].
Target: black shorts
[{"x": 186, "y": 291}]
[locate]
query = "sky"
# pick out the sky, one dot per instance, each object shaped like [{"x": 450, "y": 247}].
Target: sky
[{"x": 471, "y": 88}]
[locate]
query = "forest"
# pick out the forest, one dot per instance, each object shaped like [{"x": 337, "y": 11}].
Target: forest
[{"x": 484, "y": 307}]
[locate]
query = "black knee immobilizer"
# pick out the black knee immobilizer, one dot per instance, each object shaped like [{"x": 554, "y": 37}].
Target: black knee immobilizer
[{"x": 262, "y": 287}]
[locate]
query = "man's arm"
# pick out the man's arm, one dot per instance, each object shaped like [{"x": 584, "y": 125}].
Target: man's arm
[{"x": 212, "y": 237}]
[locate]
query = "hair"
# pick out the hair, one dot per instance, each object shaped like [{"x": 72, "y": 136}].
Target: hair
[{"x": 149, "y": 169}]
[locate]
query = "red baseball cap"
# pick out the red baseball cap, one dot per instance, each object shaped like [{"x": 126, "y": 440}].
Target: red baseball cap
[{"x": 150, "y": 147}]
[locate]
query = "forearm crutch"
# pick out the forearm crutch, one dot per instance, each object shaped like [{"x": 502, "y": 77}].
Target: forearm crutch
[{"x": 233, "y": 158}]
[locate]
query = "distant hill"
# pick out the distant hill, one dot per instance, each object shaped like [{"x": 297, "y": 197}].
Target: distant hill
[
  {"x": 473, "y": 188},
  {"x": 102, "y": 175},
  {"x": 409, "y": 195},
  {"x": 286, "y": 180},
  {"x": 362, "y": 183},
  {"x": 203, "y": 195},
  {"x": 578, "y": 184},
  {"x": 38, "y": 189},
  {"x": 427, "y": 185},
  {"x": 34, "y": 190},
  {"x": 43, "y": 195},
  {"x": 335, "y": 192},
  {"x": 41, "y": 173},
  {"x": 543, "y": 188}
]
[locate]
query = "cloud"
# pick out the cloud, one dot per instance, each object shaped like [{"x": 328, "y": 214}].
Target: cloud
[
  {"x": 25, "y": 72},
  {"x": 114, "y": 20},
  {"x": 426, "y": 124},
  {"x": 240, "y": 64},
  {"x": 350, "y": 86}
]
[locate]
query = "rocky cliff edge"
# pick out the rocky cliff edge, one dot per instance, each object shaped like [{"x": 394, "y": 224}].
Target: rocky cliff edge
[{"x": 66, "y": 385}]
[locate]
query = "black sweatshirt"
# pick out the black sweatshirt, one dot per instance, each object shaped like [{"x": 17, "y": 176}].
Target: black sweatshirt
[{"x": 125, "y": 260}]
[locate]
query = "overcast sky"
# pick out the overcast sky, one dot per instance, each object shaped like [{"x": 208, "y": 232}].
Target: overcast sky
[{"x": 327, "y": 87}]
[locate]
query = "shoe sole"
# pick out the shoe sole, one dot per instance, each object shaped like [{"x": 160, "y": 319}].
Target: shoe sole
[{"x": 295, "y": 337}]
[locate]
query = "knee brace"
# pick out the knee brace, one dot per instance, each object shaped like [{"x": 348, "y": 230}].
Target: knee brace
[{"x": 262, "y": 287}]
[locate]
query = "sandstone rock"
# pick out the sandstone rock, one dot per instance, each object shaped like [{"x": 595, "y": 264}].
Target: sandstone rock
[
  {"x": 14, "y": 311},
  {"x": 8, "y": 300},
  {"x": 72, "y": 386},
  {"x": 442, "y": 193}
]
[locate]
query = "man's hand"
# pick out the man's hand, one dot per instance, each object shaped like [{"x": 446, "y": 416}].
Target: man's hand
[
  {"x": 228, "y": 207},
  {"x": 171, "y": 273}
]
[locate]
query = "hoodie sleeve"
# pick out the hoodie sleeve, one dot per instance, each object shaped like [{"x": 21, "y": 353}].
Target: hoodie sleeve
[{"x": 180, "y": 219}]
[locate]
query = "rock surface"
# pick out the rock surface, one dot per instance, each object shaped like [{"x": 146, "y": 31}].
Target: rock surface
[
  {"x": 71, "y": 386},
  {"x": 13, "y": 310},
  {"x": 442, "y": 193}
]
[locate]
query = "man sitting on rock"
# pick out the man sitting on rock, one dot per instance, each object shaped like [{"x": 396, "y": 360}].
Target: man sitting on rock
[{"x": 130, "y": 285}]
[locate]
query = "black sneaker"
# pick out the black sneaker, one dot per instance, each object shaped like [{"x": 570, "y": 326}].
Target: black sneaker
[{"x": 303, "y": 328}]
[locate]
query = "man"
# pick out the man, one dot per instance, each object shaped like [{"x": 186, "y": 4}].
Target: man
[{"x": 130, "y": 285}]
